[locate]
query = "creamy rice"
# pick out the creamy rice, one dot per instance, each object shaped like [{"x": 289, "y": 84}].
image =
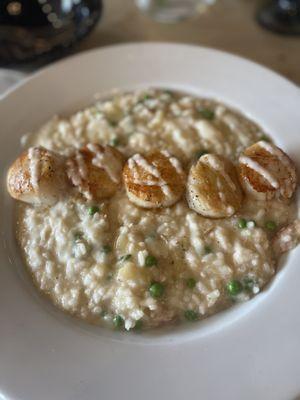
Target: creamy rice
[{"x": 93, "y": 266}]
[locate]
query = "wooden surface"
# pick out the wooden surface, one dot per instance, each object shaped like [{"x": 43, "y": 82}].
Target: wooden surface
[{"x": 229, "y": 25}]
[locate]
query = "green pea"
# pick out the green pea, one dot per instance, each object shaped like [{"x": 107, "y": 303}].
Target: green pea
[
  {"x": 234, "y": 287},
  {"x": 207, "y": 114},
  {"x": 118, "y": 321},
  {"x": 109, "y": 276},
  {"x": 265, "y": 138},
  {"x": 106, "y": 248},
  {"x": 156, "y": 290},
  {"x": 270, "y": 225},
  {"x": 242, "y": 223},
  {"x": 150, "y": 261},
  {"x": 168, "y": 92},
  {"x": 146, "y": 97},
  {"x": 200, "y": 153},
  {"x": 138, "y": 325},
  {"x": 93, "y": 210},
  {"x": 207, "y": 249},
  {"x": 126, "y": 257},
  {"x": 151, "y": 235},
  {"x": 114, "y": 142},
  {"x": 191, "y": 283},
  {"x": 191, "y": 315},
  {"x": 112, "y": 123},
  {"x": 77, "y": 236}
]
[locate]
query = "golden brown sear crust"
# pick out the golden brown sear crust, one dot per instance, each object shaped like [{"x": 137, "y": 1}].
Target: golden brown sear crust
[
  {"x": 274, "y": 176},
  {"x": 153, "y": 181},
  {"x": 213, "y": 189},
  {"x": 90, "y": 176},
  {"x": 18, "y": 177},
  {"x": 50, "y": 181}
]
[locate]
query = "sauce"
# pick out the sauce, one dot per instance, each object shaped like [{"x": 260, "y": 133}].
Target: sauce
[
  {"x": 105, "y": 159},
  {"x": 175, "y": 163},
  {"x": 218, "y": 165},
  {"x": 152, "y": 170},
  {"x": 34, "y": 155},
  {"x": 260, "y": 170},
  {"x": 77, "y": 173},
  {"x": 276, "y": 152}
]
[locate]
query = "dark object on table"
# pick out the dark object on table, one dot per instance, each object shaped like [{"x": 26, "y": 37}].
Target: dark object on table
[
  {"x": 281, "y": 16},
  {"x": 42, "y": 29}
]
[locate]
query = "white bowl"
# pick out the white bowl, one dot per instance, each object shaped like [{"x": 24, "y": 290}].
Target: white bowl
[{"x": 250, "y": 351}]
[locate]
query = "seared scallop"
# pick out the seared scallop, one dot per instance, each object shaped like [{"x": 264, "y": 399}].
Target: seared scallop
[
  {"x": 213, "y": 189},
  {"x": 96, "y": 170},
  {"x": 38, "y": 176},
  {"x": 154, "y": 180},
  {"x": 287, "y": 238},
  {"x": 266, "y": 172}
]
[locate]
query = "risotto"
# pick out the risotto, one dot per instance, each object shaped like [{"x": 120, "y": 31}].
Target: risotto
[{"x": 111, "y": 262}]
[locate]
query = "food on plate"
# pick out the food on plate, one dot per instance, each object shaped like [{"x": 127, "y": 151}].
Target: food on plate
[
  {"x": 38, "y": 176},
  {"x": 95, "y": 170},
  {"x": 267, "y": 172},
  {"x": 154, "y": 180},
  {"x": 152, "y": 207},
  {"x": 213, "y": 189}
]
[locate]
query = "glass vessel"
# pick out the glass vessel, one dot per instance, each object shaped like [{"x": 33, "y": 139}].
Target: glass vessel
[
  {"x": 282, "y": 16},
  {"x": 31, "y": 29},
  {"x": 172, "y": 10}
]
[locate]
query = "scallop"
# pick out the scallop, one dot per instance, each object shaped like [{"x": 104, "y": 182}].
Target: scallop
[
  {"x": 38, "y": 176},
  {"x": 96, "y": 171},
  {"x": 154, "y": 180},
  {"x": 213, "y": 189},
  {"x": 287, "y": 238},
  {"x": 266, "y": 172}
]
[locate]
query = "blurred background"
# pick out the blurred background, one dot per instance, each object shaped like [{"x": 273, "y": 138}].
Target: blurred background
[{"x": 34, "y": 33}]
